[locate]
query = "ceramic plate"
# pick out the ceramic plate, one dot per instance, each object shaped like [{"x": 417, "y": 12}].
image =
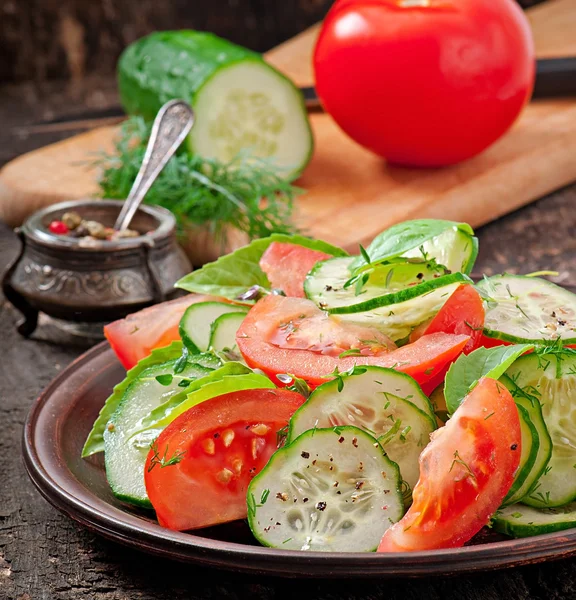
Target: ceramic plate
[{"x": 55, "y": 431}]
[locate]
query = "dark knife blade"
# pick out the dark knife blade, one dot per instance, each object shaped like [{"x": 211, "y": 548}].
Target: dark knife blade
[{"x": 555, "y": 77}]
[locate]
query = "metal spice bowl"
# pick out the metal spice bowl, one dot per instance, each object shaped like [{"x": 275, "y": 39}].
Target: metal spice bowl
[{"x": 96, "y": 284}]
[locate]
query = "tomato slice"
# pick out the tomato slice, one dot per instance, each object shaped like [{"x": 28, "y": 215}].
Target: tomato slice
[
  {"x": 277, "y": 338},
  {"x": 465, "y": 473},
  {"x": 286, "y": 266},
  {"x": 463, "y": 313},
  {"x": 134, "y": 337},
  {"x": 199, "y": 469}
]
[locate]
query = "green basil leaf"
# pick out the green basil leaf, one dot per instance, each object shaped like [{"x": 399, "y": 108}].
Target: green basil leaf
[
  {"x": 465, "y": 372},
  {"x": 404, "y": 237},
  {"x": 233, "y": 274}
]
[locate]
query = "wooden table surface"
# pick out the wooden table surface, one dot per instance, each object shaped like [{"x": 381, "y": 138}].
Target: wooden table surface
[{"x": 44, "y": 555}]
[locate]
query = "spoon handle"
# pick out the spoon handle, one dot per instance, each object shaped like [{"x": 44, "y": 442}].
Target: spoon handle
[{"x": 172, "y": 124}]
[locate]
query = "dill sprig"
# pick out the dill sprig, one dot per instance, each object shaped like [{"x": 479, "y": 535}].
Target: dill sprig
[{"x": 247, "y": 194}]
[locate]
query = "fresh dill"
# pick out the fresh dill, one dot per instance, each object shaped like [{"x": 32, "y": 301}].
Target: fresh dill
[
  {"x": 163, "y": 461},
  {"x": 245, "y": 194}
]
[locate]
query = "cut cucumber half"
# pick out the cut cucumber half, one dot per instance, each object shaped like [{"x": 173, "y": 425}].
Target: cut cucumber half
[
  {"x": 398, "y": 320},
  {"x": 196, "y": 322},
  {"x": 124, "y": 460},
  {"x": 455, "y": 249},
  {"x": 532, "y": 406},
  {"x": 331, "y": 490},
  {"x": 524, "y": 521},
  {"x": 386, "y": 284},
  {"x": 223, "y": 331},
  {"x": 552, "y": 379},
  {"x": 523, "y": 309},
  {"x": 386, "y": 403},
  {"x": 242, "y": 104}
]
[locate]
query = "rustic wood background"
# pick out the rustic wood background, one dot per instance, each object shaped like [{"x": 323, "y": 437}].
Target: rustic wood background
[{"x": 71, "y": 39}]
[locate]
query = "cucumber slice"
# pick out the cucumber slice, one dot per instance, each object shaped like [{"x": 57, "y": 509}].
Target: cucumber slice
[
  {"x": 529, "y": 444},
  {"x": 532, "y": 406},
  {"x": 523, "y": 521},
  {"x": 196, "y": 323},
  {"x": 523, "y": 309},
  {"x": 95, "y": 440},
  {"x": 390, "y": 283},
  {"x": 125, "y": 461},
  {"x": 386, "y": 403},
  {"x": 455, "y": 249},
  {"x": 331, "y": 490},
  {"x": 242, "y": 104},
  {"x": 552, "y": 379},
  {"x": 223, "y": 331},
  {"x": 398, "y": 320}
]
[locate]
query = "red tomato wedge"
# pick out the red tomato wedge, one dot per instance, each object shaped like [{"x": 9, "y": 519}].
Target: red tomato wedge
[
  {"x": 465, "y": 473},
  {"x": 134, "y": 337},
  {"x": 291, "y": 335},
  {"x": 463, "y": 313},
  {"x": 198, "y": 471},
  {"x": 286, "y": 266}
]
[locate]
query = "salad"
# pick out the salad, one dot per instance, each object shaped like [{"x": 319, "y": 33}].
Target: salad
[{"x": 382, "y": 401}]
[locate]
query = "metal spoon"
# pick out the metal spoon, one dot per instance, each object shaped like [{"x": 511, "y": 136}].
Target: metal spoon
[{"x": 172, "y": 124}]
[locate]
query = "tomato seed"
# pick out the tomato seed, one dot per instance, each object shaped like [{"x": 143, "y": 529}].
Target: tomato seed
[
  {"x": 224, "y": 476},
  {"x": 227, "y": 437},
  {"x": 208, "y": 446}
]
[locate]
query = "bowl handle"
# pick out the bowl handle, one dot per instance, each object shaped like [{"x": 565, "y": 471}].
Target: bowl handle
[{"x": 28, "y": 325}]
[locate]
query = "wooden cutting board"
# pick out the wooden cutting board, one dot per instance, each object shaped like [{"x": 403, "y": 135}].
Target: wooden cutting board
[{"x": 351, "y": 194}]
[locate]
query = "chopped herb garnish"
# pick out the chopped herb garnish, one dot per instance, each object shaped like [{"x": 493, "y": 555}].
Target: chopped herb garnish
[
  {"x": 162, "y": 460},
  {"x": 165, "y": 379}
]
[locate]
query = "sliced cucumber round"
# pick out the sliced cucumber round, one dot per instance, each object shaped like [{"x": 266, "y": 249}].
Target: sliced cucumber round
[
  {"x": 552, "y": 379},
  {"x": 532, "y": 407},
  {"x": 223, "y": 331},
  {"x": 386, "y": 403},
  {"x": 398, "y": 320},
  {"x": 524, "y": 309},
  {"x": 386, "y": 284},
  {"x": 455, "y": 249},
  {"x": 529, "y": 451},
  {"x": 125, "y": 460},
  {"x": 196, "y": 323},
  {"x": 331, "y": 490},
  {"x": 524, "y": 521},
  {"x": 242, "y": 104}
]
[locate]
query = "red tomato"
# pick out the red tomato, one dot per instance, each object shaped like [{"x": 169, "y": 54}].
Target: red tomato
[
  {"x": 465, "y": 473},
  {"x": 134, "y": 337},
  {"x": 217, "y": 447},
  {"x": 58, "y": 227},
  {"x": 287, "y": 265},
  {"x": 462, "y": 313},
  {"x": 290, "y": 335},
  {"x": 425, "y": 83}
]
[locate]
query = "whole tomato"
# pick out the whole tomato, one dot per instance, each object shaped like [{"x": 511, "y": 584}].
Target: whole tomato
[{"x": 425, "y": 83}]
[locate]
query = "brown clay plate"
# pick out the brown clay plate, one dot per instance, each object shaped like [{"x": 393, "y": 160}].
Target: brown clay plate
[{"x": 55, "y": 431}]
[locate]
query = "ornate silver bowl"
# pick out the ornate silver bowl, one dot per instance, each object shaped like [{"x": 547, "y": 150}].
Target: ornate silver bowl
[{"x": 97, "y": 284}]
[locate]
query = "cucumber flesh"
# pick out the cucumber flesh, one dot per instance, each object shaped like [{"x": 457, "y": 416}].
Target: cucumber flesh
[
  {"x": 532, "y": 406},
  {"x": 242, "y": 104},
  {"x": 398, "y": 320},
  {"x": 529, "y": 452},
  {"x": 196, "y": 323},
  {"x": 524, "y": 521},
  {"x": 523, "y": 309},
  {"x": 125, "y": 460},
  {"x": 454, "y": 249},
  {"x": 552, "y": 381},
  {"x": 332, "y": 490},
  {"x": 389, "y": 283},
  {"x": 248, "y": 107},
  {"x": 223, "y": 331},
  {"x": 386, "y": 403}
]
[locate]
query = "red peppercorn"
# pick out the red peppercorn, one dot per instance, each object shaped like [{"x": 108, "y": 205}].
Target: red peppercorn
[{"x": 58, "y": 227}]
